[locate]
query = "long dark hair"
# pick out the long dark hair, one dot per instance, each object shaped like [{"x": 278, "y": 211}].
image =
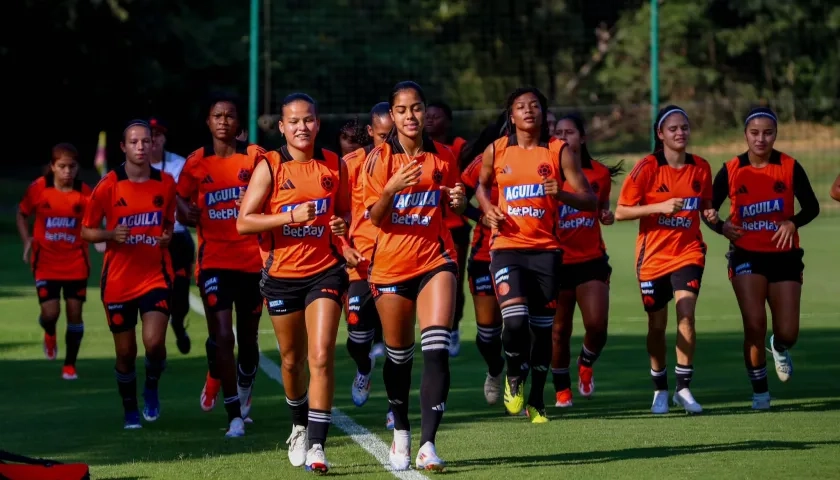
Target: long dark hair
[
  {"x": 488, "y": 135},
  {"x": 406, "y": 85},
  {"x": 664, "y": 112},
  {"x": 545, "y": 135},
  {"x": 577, "y": 119}
]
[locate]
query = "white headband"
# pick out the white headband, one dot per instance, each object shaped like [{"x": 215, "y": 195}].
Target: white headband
[
  {"x": 760, "y": 114},
  {"x": 667, "y": 114}
]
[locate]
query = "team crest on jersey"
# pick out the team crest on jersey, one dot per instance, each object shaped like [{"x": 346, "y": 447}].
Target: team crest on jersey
[
  {"x": 158, "y": 201},
  {"x": 327, "y": 183},
  {"x": 544, "y": 170},
  {"x": 77, "y": 209},
  {"x": 779, "y": 187},
  {"x": 244, "y": 175},
  {"x": 695, "y": 185},
  {"x": 437, "y": 176}
]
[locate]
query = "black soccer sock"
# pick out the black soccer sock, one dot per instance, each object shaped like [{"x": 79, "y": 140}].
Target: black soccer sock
[
  {"x": 515, "y": 339},
  {"x": 489, "y": 343},
  {"x": 127, "y": 388},
  {"x": 48, "y": 325},
  {"x": 684, "y": 374},
  {"x": 319, "y": 427},
  {"x": 434, "y": 386},
  {"x": 300, "y": 410},
  {"x": 180, "y": 304},
  {"x": 247, "y": 362},
  {"x": 154, "y": 370},
  {"x": 779, "y": 346},
  {"x": 245, "y": 378},
  {"x": 758, "y": 378},
  {"x": 396, "y": 375},
  {"x": 358, "y": 346},
  {"x": 660, "y": 379},
  {"x": 210, "y": 347},
  {"x": 540, "y": 358},
  {"x": 561, "y": 378},
  {"x": 586, "y": 357},
  {"x": 233, "y": 407},
  {"x": 73, "y": 341}
]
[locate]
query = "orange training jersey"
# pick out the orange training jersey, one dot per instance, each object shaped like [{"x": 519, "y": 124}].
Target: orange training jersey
[
  {"x": 58, "y": 251},
  {"x": 362, "y": 231},
  {"x": 760, "y": 199},
  {"x": 580, "y": 232},
  {"x": 412, "y": 239},
  {"x": 214, "y": 183},
  {"x": 300, "y": 250},
  {"x": 480, "y": 248},
  {"x": 450, "y": 219},
  {"x": 531, "y": 214},
  {"x": 140, "y": 264},
  {"x": 668, "y": 242}
]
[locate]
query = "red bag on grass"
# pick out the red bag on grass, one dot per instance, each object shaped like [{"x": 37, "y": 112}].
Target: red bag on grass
[{"x": 25, "y": 468}]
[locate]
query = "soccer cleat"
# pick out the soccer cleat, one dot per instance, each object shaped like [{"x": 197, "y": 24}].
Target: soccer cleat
[
  {"x": 68, "y": 372},
  {"x": 183, "y": 343},
  {"x": 389, "y": 420},
  {"x": 784, "y": 364},
  {"x": 493, "y": 388},
  {"x": 378, "y": 350},
  {"x": 316, "y": 461},
  {"x": 427, "y": 459},
  {"x": 761, "y": 401},
  {"x": 514, "y": 395},
  {"x": 586, "y": 384},
  {"x": 360, "y": 390},
  {"x": 132, "y": 420},
  {"x": 297, "y": 446},
  {"x": 660, "y": 402},
  {"x": 236, "y": 429},
  {"x": 563, "y": 398},
  {"x": 245, "y": 394},
  {"x": 400, "y": 454},
  {"x": 151, "y": 405},
  {"x": 455, "y": 343},
  {"x": 536, "y": 415},
  {"x": 210, "y": 392},
  {"x": 685, "y": 399},
  {"x": 50, "y": 347}
]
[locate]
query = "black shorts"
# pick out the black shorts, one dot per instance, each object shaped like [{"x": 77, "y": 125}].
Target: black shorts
[
  {"x": 289, "y": 295},
  {"x": 461, "y": 235},
  {"x": 481, "y": 283},
  {"x": 774, "y": 266},
  {"x": 572, "y": 275},
  {"x": 526, "y": 273},
  {"x": 223, "y": 289},
  {"x": 658, "y": 292},
  {"x": 51, "y": 290},
  {"x": 361, "y": 309},
  {"x": 411, "y": 288},
  {"x": 182, "y": 251},
  {"x": 122, "y": 317}
]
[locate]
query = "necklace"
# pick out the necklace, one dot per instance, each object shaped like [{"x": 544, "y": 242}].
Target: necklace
[{"x": 416, "y": 154}]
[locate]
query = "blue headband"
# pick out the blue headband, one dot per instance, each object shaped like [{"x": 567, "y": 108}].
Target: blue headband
[{"x": 668, "y": 113}]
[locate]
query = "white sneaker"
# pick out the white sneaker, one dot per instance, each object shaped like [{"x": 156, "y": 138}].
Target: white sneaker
[
  {"x": 685, "y": 399},
  {"x": 660, "y": 402},
  {"x": 400, "y": 454},
  {"x": 316, "y": 461},
  {"x": 378, "y": 350},
  {"x": 297, "y": 446},
  {"x": 245, "y": 400},
  {"x": 784, "y": 364},
  {"x": 236, "y": 429},
  {"x": 360, "y": 390},
  {"x": 427, "y": 458},
  {"x": 455, "y": 343},
  {"x": 493, "y": 388},
  {"x": 761, "y": 401}
]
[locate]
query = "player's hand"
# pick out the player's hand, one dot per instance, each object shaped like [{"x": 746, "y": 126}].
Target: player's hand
[
  {"x": 551, "y": 187},
  {"x": 731, "y": 231},
  {"x": 193, "y": 214},
  {"x": 607, "y": 217},
  {"x": 784, "y": 235},
  {"x": 495, "y": 218},
  {"x": 671, "y": 206},
  {"x": 457, "y": 195},
  {"x": 407, "y": 176},
  {"x": 121, "y": 233},
  {"x": 238, "y": 200},
  {"x": 303, "y": 212},
  {"x": 711, "y": 215},
  {"x": 338, "y": 226},
  {"x": 164, "y": 239},
  {"x": 353, "y": 257},
  {"x": 27, "y": 247},
  {"x": 100, "y": 247}
]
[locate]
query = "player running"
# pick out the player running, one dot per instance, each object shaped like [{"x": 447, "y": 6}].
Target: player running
[
  {"x": 525, "y": 252},
  {"x": 585, "y": 271},
  {"x": 765, "y": 259},
  {"x": 666, "y": 191},
  {"x": 56, "y": 251},
  {"x": 407, "y": 180},
  {"x": 181, "y": 247},
  {"x": 138, "y": 203},
  {"x": 228, "y": 266},
  {"x": 296, "y": 201}
]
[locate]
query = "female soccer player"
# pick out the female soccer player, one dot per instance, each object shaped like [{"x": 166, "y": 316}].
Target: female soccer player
[
  {"x": 585, "y": 271},
  {"x": 525, "y": 251},
  {"x": 296, "y": 201},
  {"x": 228, "y": 267},
  {"x": 138, "y": 203},
  {"x": 488, "y": 317},
  {"x": 765, "y": 259},
  {"x": 59, "y": 257},
  {"x": 666, "y": 191},
  {"x": 408, "y": 180}
]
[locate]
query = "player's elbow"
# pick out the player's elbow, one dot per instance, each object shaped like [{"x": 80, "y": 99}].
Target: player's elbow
[
  {"x": 243, "y": 226},
  {"x": 589, "y": 202},
  {"x": 88, "y": 235},
  {"x": 835, "y": 192},
  {"x": 621, "y": 213}
]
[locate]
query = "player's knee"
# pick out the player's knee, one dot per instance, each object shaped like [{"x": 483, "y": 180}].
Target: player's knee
[
  {"x": 686, "y": 320},
  {"x": 50, "y": 314},
  {"x": 320, "y": 360},
  {"x": 225, "y": 341},
  {"x": 126, "y": 355},
  {"x": 755, "y": 328},
  {"x": 657, "y": 322},
  {"x": 292, "y": 363}
]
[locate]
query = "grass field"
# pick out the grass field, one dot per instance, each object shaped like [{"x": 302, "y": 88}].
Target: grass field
[{"x": 611, "y": 436}]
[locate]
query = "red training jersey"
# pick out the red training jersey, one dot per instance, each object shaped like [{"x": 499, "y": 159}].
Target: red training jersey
[
  {"x": 450, "y": 219},
  {"x": 480, "y": 247},
  {"x": 580, "y": 232},
  {"x": 362, "y": 231}
]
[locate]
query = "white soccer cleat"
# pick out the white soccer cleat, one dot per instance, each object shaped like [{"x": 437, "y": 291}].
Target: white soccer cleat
[
  {"x": 685, "y": 399},
  {"x": 761, "y": 401},
  {"x": 493, "y": 388},
  {"x": 360, "y": 390},
  {"x": 245, "y": 394},
  {"x": 427, "y": 459},
  {"x": 660, "y": 402},
  {"x": 297, "y": 446},
  {"x": 784, "y": 364},
  {"x": 455, "y": 343},
  {"x": 378, "y": 350},
  {"x": 236, "y": 429},
  {"x": 316, "y": 460},
  {"x": 400, "y": 454}
]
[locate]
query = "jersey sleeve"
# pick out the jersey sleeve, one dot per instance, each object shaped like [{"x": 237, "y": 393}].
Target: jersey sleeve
[
  {"x": 636, "y": 184},
  {"x": 187, "y": 185},
  {"x": 99, "y": 203},
  {"x": 375, "y": 176},
  {"x": 471, "y": 173},
  {"x": 708, "y": 189},
  {"x": 30, "y": 197},
  {"x": 804, "y": 192},
  {"x": 255, "y": 153},
  {"x": 454, "y": 172}
]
